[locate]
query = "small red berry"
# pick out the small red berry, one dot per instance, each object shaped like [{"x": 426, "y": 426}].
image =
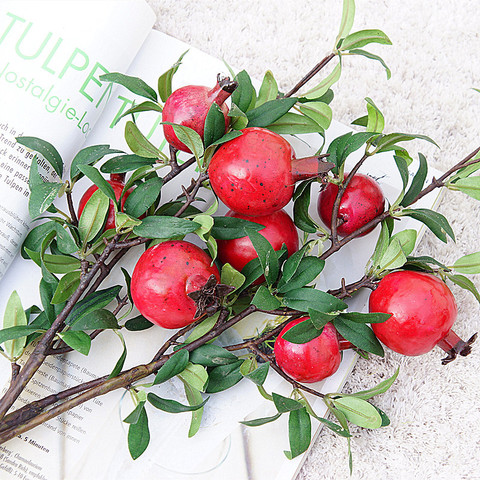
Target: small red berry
[
  {"x": 361, "y": 202},
  {"x": 312, "y": 361}
]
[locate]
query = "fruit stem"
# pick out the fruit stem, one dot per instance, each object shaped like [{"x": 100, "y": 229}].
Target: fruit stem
[
  {"x": 310, "y": 167},
  {"x": 222, "y": 90},
  {"x": 454, "y": 345}
]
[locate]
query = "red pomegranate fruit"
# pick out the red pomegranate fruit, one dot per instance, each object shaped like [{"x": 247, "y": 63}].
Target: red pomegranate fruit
[{"x": 189, "y": 106}]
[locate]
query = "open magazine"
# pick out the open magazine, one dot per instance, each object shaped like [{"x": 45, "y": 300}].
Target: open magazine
[{"x": 51, "y": 57}]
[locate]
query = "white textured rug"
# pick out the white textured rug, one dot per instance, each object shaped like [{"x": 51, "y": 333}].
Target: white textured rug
[{"x": 434, "y": 409}]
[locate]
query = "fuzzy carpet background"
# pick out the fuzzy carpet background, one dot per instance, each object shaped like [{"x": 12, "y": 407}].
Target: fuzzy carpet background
[{"x": 434, "y": 409}]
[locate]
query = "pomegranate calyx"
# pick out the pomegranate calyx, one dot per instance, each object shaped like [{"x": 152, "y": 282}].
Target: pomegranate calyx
[
  {"x": 208, "y": 298},
  {"x": 462, "y": 348},
  {"x": 226, "y": 84}
]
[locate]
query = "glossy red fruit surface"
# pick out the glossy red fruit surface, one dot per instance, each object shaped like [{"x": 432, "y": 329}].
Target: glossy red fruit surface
[
  {"x": 361, "y": 202},
  {"x": 423, "y": 311},
  {"x": 189, "y": 106},
  {"x": 279, "y": 229},
  {"x": 164, "y": 276},
  {"x": 312, "y": 361},
  {"x": 117, "y": 188},
  {"x": 252, "y": 174}
]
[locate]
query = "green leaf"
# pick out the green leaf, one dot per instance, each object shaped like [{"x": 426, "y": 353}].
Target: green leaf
[
  {"x": 360, "y": 335},
  {"x": 292, "y": 263},
  {"x": 121, "y": 361},
  {"x": 229, "y": 228},
  {"x": 266, "y": 255},
  {"x": 364, "y": 317},
  {"x": 172, "y": 406},
  {"x": 94, "y": 301},
  {"x": 14, "y": 316},
  {"x": 138, "y": 323},
  {"x": 46, "y": 150},
  {"x": 259, "y": 375},
  {"x": 382, "y": 387},
  {"x": 417, "y": 182},
  {"x": 469, "y": 185},
  {"x": 270, "y": 111},
  {"x": 134, "y": 84},
  {"x": 468, "y": 264},
  {"x": 93, "y": 216},
  {"x": 66, "y": 286},
  {"x": 125, "y": 163},
  {"x": 134, "y": 417},
  {"x": 139, "y": 434},
  {"x": 172, "y": 367},
  {"x": 190, "y": 138},
  {"x": 164, "y": 227},
  {"x": 195, "y": 375},
  {"x": 320, "y": 112},
  {"x": 79, "y": 341},
  {"x": 341, "y": 147},
  {"x": 203, "y": 328},
  {"x": 143, "y": 197},
  {"x": 261, "y": 421},
  {"x": 96, "y": 177},
  {"x": 232, "y": 277},
  {"x": 285, "y": 404},
  {"x": 61, "y": 263},
  {"x": 389, "y": 142},
  {"x": 244, "y": 94},
  {"x": 320, "y": 89},
  {"x": 466, "y": 284},
  {"x": 309, "y": 298},
  {"x": 42, "y": 197},
  {"x": 364, "y": 37},
  {"x": 223, "y": 377},
  {"x": 13, "y": 333},
  {"x": 372, "y": 56},
  {"x": 381, "y": 245},
  {"x": 359, "y": 412},
  {"x": 214, "y": 125},
  {"x": 302, "y": 332},
  {"x": 165, "y": 80},
  {"x": 308, "y": 270},
  {"x": 376, "y": 121},
  {"x": 294, "y": 124},
  {"x": 194, "y": 397},
  {"x": 435, "y": 221},
  {"x": 265, "y": 300},
  {"x": 138, "y": 143},
  {"x": 210, "y": 355},
  {"x": 147, "y": 106},
  {"x": 268, "y": 89},
  {"x": 96, "y": 320},
  {"x": 299, "y": 431},
  {"x": 89, "y": 156},
  {"x": 346, "y": 23}
]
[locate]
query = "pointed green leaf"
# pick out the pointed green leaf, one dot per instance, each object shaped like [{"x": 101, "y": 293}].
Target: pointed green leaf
[
  {"x": 134, "y": 84},
  {"x": 268, "y": 89},
  {"x": 165, "y": 80},
  {"x": 265, "y": 300},
  {"x": 320, "y": 89},
  {"x": 261, "y": 421},
  {"x": 89, "y": 156},
  {"x": 360, "y": 335},
  {"x": 42, "y": 197},
  {"x": 364, "y": 37},
  {"x": 143, "y": 197},
  {"x": 172, "y": 406},
  {"x": 139, "y": 434},
  {"x": 214, "y": 125},
  {"x": 299, "y": 431},
  {"x": 348, "y": 16},
  {"x": 372, "y": 56},
  {"x": 126, "y": 163},
  {"x": 172, "y": 367},
  {"x": 269, "y": 112},
  {"x": 14, "y": 316},
  {"x": 46, "y": 150},
  {"x": 435, "y": 221},
  {"x": 194, "y": 397},
  {"x": 468, "y": 264},
  {"x": 79, "y": 341},
  {"x": 165, "y": 227},
  {"x": 417, "y": 182},
  {"x": 66, "y": 286},
  {"x": 359, "y": 412},
  {"x": 138, "y": 143},
  {"x": 93, "y": 216},
  {"x": 285, "y": 404}
]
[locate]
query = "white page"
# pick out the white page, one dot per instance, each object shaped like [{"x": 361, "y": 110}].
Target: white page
[{"x": 51, "y": 55}]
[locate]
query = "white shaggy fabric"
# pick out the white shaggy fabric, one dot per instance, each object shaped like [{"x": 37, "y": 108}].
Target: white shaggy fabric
[{"x": 434, "y": 409}]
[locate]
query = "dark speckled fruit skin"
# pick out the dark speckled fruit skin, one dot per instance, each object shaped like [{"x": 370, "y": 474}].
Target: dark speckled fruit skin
[
  {"x": 252, "y": 174},
  {"x": 312, "y": 361},
  {"x": 279, "y": 229},
  {"x": 164, "y": 276},
  {"x": 362, "y": 201},
  {"x": 423, "y": 310}
]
